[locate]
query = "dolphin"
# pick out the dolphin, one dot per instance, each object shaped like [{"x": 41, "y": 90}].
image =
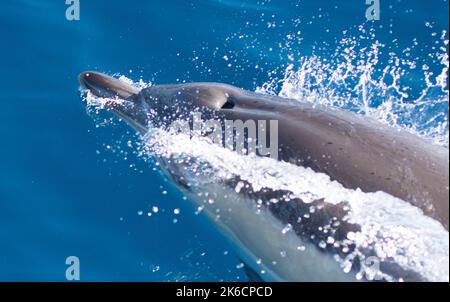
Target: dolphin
[{"x": 359, "y": 153}]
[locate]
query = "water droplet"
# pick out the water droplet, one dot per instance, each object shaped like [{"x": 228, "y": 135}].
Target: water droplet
[{"x": 301, "y": 248}]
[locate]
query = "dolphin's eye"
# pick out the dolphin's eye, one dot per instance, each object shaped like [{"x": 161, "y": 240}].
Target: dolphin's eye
[{"x": 229, "y": 104}]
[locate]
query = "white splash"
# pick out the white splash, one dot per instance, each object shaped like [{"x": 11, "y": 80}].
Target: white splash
[
  {"x": 393, "y": 228},
  {"x": 356, "y": 79}
]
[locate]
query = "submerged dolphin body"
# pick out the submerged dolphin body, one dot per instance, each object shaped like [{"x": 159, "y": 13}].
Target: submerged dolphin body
[{"x": 355, "y": 151}]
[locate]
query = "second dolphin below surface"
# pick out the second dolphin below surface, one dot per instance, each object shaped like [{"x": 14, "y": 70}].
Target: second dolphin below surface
[{"x": 355, "y": 151}]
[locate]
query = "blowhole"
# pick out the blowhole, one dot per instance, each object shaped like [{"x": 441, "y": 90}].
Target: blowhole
[{"x": 229, "y": 104}]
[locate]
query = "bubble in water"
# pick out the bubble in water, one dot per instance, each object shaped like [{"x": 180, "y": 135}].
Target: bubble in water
[
  {"x": 286, "y": 229},
  {"x": 301, "y": 248}
]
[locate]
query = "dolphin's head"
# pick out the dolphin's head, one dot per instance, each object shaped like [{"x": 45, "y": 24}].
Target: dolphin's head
[{"x": 163, "y": 104}]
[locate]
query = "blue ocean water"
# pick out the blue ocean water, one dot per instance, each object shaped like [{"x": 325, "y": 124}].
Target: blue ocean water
[{"x": 71, "y": 188}]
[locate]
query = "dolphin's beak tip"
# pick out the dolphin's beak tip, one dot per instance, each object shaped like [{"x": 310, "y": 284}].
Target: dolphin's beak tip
[
  {"x": 105, "y": 86},
  {"x": 83, "y": 79}
]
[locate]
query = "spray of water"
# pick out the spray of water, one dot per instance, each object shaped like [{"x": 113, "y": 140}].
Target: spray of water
[
  {"x": 356, "y": 78},
  {"x": 390, "y": 228}
]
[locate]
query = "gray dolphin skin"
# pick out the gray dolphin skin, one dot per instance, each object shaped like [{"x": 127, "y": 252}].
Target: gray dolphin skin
[{"x": 356, "y": 151}]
